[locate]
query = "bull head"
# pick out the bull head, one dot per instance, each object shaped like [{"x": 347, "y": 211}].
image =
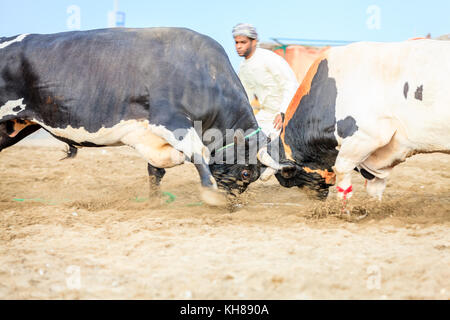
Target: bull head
[
  {"x": 298, "y": 173},
  {"x": 235, "y": 165}
]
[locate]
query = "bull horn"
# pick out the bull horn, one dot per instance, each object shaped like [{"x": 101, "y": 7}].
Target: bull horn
[
  {"x": 267, "y": 173},
  {"x": 265, "y": 158}
]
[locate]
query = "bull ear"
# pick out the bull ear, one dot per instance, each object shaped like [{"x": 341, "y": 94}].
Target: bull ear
[
  {"x": 239, "y": 138},
  {"x": 288, "y": 171}
]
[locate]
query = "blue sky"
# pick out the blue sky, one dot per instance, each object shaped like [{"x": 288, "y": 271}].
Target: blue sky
[{"x": 351, "y": 20}]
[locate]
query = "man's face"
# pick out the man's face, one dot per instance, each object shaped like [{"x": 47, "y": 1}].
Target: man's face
[{"x": 244, "y": 46}]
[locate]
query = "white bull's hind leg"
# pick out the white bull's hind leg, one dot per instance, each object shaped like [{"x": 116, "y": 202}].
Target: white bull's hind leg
[
  {"x": 375, "y": 187},
  {"x": 354, "y": 151}
]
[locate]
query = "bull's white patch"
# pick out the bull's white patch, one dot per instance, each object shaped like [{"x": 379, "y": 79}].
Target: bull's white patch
[
  {"x": 8, "y": 108},
  {"x": 186, "y": 140},
  {"x": 17, "y": 39},
  {"x": 155, "y": 149},
  {"x": 158, "y": 145},
  {"x": 104, "y": 136}
]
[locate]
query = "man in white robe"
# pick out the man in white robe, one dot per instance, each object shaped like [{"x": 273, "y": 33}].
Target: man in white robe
[{"x": 265, "y": 76}]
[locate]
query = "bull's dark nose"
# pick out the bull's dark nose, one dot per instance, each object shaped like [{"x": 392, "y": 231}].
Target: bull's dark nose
[{"x": 288, "y": 171}]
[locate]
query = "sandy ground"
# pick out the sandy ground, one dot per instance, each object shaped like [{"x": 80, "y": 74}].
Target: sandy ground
[{"x": 83, "y": 229}]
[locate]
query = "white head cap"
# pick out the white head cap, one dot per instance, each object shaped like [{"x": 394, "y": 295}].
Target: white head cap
[{"x": 245, "y": 29}]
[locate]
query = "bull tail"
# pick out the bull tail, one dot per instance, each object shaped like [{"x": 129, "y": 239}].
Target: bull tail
[{"x": 70, "y": 151}]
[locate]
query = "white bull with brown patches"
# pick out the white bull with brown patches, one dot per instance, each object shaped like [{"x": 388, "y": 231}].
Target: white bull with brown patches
[{"x": 366, "y": 107}]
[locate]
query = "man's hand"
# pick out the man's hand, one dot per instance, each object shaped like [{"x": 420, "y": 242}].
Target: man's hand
[{"x": 278, "y": 122}]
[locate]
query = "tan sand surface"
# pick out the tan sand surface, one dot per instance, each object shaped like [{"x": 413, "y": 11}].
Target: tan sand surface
[{"x": 83, "y": 229}]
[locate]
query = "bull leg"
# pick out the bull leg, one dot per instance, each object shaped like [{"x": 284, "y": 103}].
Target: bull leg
[
  {"x": 155, "y": 175},
  {"x": 196, "y": 152},
  {"x": 158, "y": 154},
  {"x": 375, "y": 187},
  {"x": 349, "y": 156},
  {"x": 10, "y": 134},
  {"x": 209, "y": 192},
  {"x": 354, "y": 151},
  {"x": 168, "y": 151}
]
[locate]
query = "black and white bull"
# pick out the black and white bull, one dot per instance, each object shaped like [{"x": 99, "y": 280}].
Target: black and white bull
[
  {"x": 365, "y": 107},
  {"x": 145, "y": 88}
]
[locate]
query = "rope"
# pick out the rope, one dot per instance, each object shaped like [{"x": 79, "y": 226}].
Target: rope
[{"x": 247, "y": 136}]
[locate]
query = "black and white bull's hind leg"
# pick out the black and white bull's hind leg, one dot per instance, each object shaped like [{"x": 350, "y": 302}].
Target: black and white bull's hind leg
[
  {"x": 164, "y": 148},
  {"x": 155, "y": 176},
  {"x": 360, "y": 151},
  {"x": 12, "y": 131}
]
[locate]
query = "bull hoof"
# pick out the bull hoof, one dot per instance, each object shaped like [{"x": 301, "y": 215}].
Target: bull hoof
[
  {"x": 213, "y": 197},
  {"x": 155, "y": 198}
]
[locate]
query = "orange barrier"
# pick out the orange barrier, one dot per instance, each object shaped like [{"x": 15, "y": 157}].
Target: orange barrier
[{"x": 300, "y": 58}]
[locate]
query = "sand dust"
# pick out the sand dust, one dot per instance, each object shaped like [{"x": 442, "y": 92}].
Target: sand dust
[{"x": 83, "y": 229}]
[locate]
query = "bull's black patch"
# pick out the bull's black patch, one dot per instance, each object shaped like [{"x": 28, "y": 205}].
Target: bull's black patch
[
  {"x": 17, "y": 109},
  {"x": 9, "y": 127},
  {"x": 366, "y": 174},
  {"x": 310, "y": 133},
  {"x": 405, "y": 90},
  {"x": 347, "y": 127},
  {"x": 418, "y": 93}
]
